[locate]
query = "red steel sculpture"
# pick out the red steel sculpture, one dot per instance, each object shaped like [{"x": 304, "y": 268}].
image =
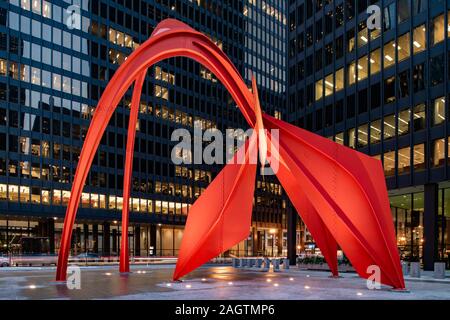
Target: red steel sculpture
[{"x": 339, "y": 193}]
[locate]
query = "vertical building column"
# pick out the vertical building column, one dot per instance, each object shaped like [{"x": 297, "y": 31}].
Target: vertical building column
[
  {"x": 280, "y": 241},
  {"x": 292, "y": 236},
  {"x": 77, "y": 239},
  {"x": 152, "y": 240},
  {"x": 106, "y": 239},
  {"x": 430, "y": 231},
  {"x": 137, "y": 241},
  {"x": 114, "y": 242},
  {"x": 86, "y": 237},
  {"x": 95, "y": 238},
  {"x": 51, "y": 234},
  {"x": 254, "y": 241}
]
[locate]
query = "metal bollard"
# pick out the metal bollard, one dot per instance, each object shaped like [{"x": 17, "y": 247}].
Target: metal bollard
[
  {"x": 266, "y": 264},
  {"x": 415, "y": 270},
  {"x": 405, "y": 268},
  {"x": 276, "y": 265},
  {"x": 259, "y": 263},
  {"x": 439, "y": 270},
  {"x": 286, "y": 264}
]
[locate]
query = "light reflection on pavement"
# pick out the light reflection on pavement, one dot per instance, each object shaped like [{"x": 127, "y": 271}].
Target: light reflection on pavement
[{"x": 154, "y": 283}]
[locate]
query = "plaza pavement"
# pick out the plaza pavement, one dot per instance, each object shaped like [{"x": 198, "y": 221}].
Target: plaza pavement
[{"x": 153, "y": 282}]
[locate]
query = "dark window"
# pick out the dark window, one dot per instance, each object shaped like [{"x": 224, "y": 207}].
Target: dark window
[
  {"x": 375, "y": 95},
  {"x": 389, "y": 90},
  {"x": 351, "y": 106},
  {"x": 403, "y": 83},
  {"x": 419, "y": 78},
  {"x": 362, "y": 101},
  {"x": 437, "y": 68},
  {"x": 329, "y": 115},
  {"x": 339, "y": 111}
]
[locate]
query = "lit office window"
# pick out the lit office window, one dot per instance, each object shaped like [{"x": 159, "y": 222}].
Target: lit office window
[
  {"x": 363, "y": 135},
  {"x": 3, "y": 68},
  {"x": 438, "y": 29},
  {"x": 403, "y": 122},
  {"x": 363, "y": 68},
  {"x": 419, "y": 157},
  {"x": 419, "y": 117},
  {"x": 375, "y": 61},
  {"x": 351, "y": 40},
  {"x": 36, "y": 6},
  {"x": 351, "y": 138},
  {"x": 329, "y": 85},
  {"x": 351, "y": 73},
  {"x": 404, "y": 160},
  {"x": 448, "y": 24},
  {"x": 112, "y": 202},
  {"x": 319, "y": 89},
  {"x": 164, "y": 76},
  {"x": 25, "y": 4},
  {"x": 389, "y": 54},
  {"x": 45, "y": 197},
  {"x": 340, "y": 82},
  {"x": 389, "y": 163},
  {"x": 403, "y": 47},
  {"x": 420, "y": 39},
  {"x": 161, "y": 92},
  {"x": 46, "y": 9},
  {"x": 363, "y": 34},
  {"x": 375, "y": 131},
  {"x": 439, "y": 111},
  {"x": 389, "y": 127},
  {"x": 340, "y": 138},
  {"x": 438, "y": 152}
]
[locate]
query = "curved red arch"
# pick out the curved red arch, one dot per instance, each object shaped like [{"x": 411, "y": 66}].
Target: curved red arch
[{"x": 220, "y": 219}]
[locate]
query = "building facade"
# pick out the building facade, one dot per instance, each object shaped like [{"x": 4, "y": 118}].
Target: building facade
[
  {"x": 56, "y": 58},
  {"x": 382, "y": 91}
]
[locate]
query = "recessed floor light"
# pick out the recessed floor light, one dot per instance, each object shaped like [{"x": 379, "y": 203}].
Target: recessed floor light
[
  {"x": 269, "y": 280},
  {"x": 307, "y": 287},
  {"x": 188, "y": 286},
  {"x": 168, "y": 284},
  {"x": 203, "y": 279},
  {"x": 107, "y": 274},
  {"x": 359, "y": 294},
  {"x": 230, "y": 283},
  {"x": 32, "y": 286},
  {"x": 291, "y": 279},
  {"x": 275, "y": 284}
]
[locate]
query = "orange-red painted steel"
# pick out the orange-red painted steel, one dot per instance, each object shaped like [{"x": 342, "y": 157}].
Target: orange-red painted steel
[{"x": 340, "y": 193}]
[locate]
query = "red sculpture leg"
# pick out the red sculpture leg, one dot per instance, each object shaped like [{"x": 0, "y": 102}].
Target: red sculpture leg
[
  {"x": 221, "y": 217},
  {"x": 170, "y": 39},
  {"x": 348, "y": 191},
  {"x": 128, "y": 172},
  {"x": 320, "y": 233}
]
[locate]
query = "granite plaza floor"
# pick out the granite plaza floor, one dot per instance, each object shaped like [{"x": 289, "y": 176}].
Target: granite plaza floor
[{"x": 210, "y": 282}]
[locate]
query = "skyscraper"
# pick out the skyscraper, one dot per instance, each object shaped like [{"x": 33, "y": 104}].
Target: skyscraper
[
  {"x": 383, "y": 92},
  {"x": 56, "y": 57}
]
